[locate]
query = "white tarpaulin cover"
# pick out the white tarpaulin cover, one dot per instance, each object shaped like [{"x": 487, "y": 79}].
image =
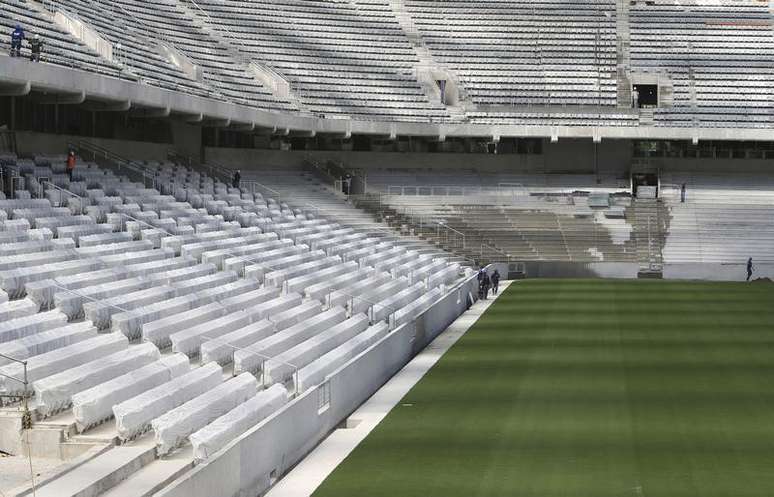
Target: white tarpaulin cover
[
  {"x": 274, "y": 306},
  {"x": 251, "y": 299},
  {"x": 183, "y": 274},
  {"x": 14, "y": 280},
  {"x": 320, "y": 291},
  {"x": 204, "y": 282},
  {"x": 55, "y": 392},
  {"x": 388, "y": 306},
  {"x": 367, "y": 299},
  {"x": 277, "y": 278},
  {"x": 71, "y": 303},
  {"x": 17, "y": 309},
  {"x": 345, "y": 295},
  {"x": 30, "y": 325},
  {"x": 130, "y": 323},
  {"x": 226, "y": 428},
  {"x": 160, "y": 331},
  {"x": 281, "y": 367},
  {"x": 299, "y": 283},
  {"x": 173, "y": 427},
  {"x": 295, "y": 315},
  {"x": 134, "y": 416},
  {"x": 221, "y": 350},
  {"x": 46, "y": 341},
  {"x": 270, "y": 258},
  {"x": 414, "y": 308},
  {"x": 252, "y": 358},
  {"x": 444, "y": 276},
  {"x": 56, "y": 361},
  {"x": 316, "y": 372},
  {"x": 100, "y": 313},
  {"x": 95, "y": 405},
  {"x": 189, "y": 340}
]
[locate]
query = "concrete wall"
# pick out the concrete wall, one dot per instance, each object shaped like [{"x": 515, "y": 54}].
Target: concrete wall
[
  {"x": 716, "y": 272},
  {"x": 31, "y": 143},
  {"x": 250, "y": 464},
  {"x": 565, "y": 156}
]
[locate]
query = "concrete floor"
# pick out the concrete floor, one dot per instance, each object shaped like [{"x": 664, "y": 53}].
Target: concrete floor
[
  {"x": 15, "y": 471},
  {"x": 304, "y": 479}
]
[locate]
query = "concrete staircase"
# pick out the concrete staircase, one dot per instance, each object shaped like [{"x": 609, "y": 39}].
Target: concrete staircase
[
  {"x": 624, "y": 60},
  {"x": 428, "y": 64},
  {"x": 650, "y": 235}
]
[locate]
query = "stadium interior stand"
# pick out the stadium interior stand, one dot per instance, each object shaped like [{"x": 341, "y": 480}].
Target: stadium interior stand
[
  {"x": 184, "y": 308},
  {"x": 554, "y": 62}
]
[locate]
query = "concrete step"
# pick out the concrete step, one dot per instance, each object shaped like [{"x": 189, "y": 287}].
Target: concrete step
[
  {"x": 153, "y": 477},
  {"x": 101, "y": 473}
]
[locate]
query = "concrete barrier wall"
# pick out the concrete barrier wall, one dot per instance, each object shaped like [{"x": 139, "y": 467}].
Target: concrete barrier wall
[
  {"x": 250, "y": 464},
  {"x": 716, "y": 272}
]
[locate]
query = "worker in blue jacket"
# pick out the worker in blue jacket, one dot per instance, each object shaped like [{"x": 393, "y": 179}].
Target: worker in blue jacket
[{"x": 17, "y": 37}]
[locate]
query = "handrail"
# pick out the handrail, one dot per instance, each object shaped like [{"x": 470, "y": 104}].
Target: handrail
[
  {"x": 98, "y": 150},
  {"x": 269, "y": 189},
  {"x": 24, "y": 380},
  {"x": 60, "y": 189}
]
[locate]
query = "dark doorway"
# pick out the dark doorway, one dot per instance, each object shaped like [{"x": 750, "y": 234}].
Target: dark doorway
[
  {"x": 645, "y": 183},
  {"x": 647, "y": 95}
]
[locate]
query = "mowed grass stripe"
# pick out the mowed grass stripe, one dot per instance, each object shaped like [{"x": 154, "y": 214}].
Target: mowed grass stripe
[{"x": 593, "y": 388}]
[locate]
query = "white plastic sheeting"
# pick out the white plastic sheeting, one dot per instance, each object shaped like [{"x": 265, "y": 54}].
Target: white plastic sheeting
[
  {"x": 46, "y": 341},
  {"x": 17, "y": 309},
  {"x": 295, "y": 315},
  {"x": 251, "y": 299},
  {"x": 277, "y": 278},
  {"x": 316, "y": 372},
  {"x": 30, "y": 325},
  {"x": 204, "y": 282},
  {"x": 136, "y": 257},
  {"x": 159, "y": 267},
  {"x": 134, "y": 416},
  {"x": 299, "y": 283},
  {"x": 270, "y": 258},
  {"x": 258, "y": 271},
  {"x": 383, "y": 309},
  {"x": 100, "y": 313},
  {"x": 130, "y": 323},
  {"x": 104, "y": 239},
  {"x": 159, "y": 332},
  {"x": 343, "y": 296},
  {"x": 114, "y": 248},
  {"x": 218, "y": 257},
  {"x": 222, "y": 430},
  {"x": 13, "y": 281},
  {"x": 281, "y": 368},
  {"x": 252, "y": 358},
  {"x": 368, "y": 298},
  {"x": 188, "y": 341},
  {"x": 55, "y": 392},
  {"x": 95, "y": 405},
  {"x": 183, "y": 274},
  {"x": 71, "y": 303},
  {"x": 172, "y": 428},
  {"x": 444, "y": 276},
  {"x": 221, "y": 350},
  {"x": 413, "y": 309},
  {"x": 56, "y": 361},
  {"x": 320, "y": 291},
  {"x": 274, "y": 306}
]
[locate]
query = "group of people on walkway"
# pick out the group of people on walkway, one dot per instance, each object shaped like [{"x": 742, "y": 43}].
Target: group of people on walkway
[
  {"x": 487, "y": 282},
  {"x": 17, "y": 39}
]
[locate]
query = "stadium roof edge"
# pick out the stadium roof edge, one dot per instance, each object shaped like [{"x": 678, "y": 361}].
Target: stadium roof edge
[{"x": 19, "y": 77}]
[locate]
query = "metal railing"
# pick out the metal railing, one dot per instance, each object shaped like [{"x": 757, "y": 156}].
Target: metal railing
[
  {"x": 41, "y": 193},
  {"x": 147, "y": 176},
  {"x": 502, "y": 189},
  {"x": 24, "y": 380}
]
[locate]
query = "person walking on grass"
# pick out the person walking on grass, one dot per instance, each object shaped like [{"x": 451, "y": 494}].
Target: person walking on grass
[
  {"x": 749, "y": 268},
  {"x": 495, "y": 281}
]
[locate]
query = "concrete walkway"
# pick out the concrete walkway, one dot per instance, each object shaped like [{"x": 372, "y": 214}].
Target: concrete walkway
[{"x": 304, "y": 479}]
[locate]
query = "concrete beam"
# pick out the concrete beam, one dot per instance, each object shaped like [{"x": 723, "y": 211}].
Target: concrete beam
[
  {"x": 124, "y": 106},
  {"x": 16, "y": 75},
  {"x": 62, "y": 98},
  {"x": 244, "y": 127},
  {"x": 217, "y": 123},
  {"x": 151, "y": 113},
  {"x": 15, "y": 89}
]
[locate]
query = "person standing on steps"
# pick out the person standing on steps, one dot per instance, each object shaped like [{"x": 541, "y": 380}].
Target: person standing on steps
[
  {"x": 682, "y": 194},
  {"x": 749, "y": 268},
  {"x": 237, "y": 179},
  {"x": 17, "y": 37},
  {"x": 70, "y": 164},
  {"x": 36, "y": 47}
]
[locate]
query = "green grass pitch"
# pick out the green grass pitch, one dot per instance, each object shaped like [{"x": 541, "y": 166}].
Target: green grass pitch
[{"x": 588, "y": 388}]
